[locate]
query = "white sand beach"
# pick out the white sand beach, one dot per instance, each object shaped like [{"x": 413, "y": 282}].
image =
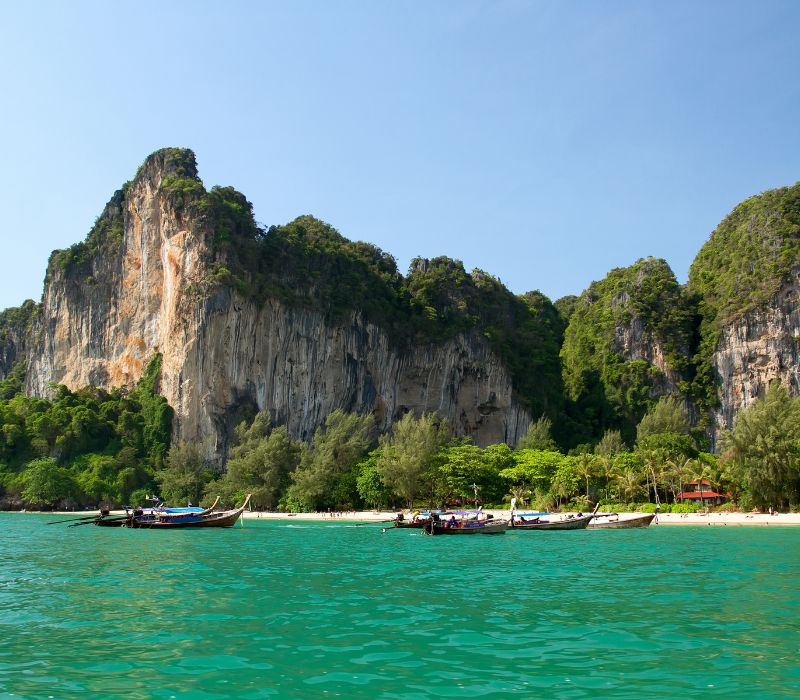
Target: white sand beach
[{"x": 713, "y": 519}]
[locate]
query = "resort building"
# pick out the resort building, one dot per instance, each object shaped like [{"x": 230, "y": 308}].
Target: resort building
[{"x": 700, "y": 492}]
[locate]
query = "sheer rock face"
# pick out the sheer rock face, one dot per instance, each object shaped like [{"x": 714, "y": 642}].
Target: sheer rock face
[
  {"x": 101, "y": 323},
  {"x": 756, "y": 349},
  {"x": 635, "y": 342},
  {"x": 224, "y": 356},
  {"x": 291, "y": 362}
]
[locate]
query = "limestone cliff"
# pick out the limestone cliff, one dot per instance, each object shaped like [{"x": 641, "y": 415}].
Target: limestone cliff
[
  {"x": 299, "y": 320},
  {"x": 747, "y": 282},
  {"x": 627, "y": 343},
  {"x": 156, "y": 274},
  {"x": 757, "y": 348}
]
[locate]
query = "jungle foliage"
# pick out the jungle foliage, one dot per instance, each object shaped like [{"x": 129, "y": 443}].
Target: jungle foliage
[
  {"x": 102, "y": 455},
  {"x": 762, "y": 451},
  {"x": 17, "y": 320},
  {"x": 606, "y": 390},
  {"x": 87, "y": 447}
]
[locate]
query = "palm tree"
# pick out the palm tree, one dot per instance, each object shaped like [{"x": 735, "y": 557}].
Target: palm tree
[
  {"x": 520, "y": 493},
  {"x": 657, "y": 467},
  {"x": 675, "y": 473},
  {"x": 586, "y": 468},
  {"x": 687, "y": 472},
  {"x": 630, "y": 482},
  {"x": 606, "y": 469},
  {"x": 710, "y": 473}
]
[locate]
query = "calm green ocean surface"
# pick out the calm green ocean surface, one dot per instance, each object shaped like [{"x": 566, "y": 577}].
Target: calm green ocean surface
[{"x": 296, "y": 610}]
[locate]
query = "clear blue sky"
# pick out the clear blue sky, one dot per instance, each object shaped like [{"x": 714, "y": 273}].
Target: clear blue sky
[{"x": 544, "y": 142}]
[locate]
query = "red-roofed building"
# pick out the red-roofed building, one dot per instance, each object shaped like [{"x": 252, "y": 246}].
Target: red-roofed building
[{"x": 702, "y": 493}]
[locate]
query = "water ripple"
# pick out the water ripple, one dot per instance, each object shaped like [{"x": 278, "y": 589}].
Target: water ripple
[{"x": 327, "y": 610}]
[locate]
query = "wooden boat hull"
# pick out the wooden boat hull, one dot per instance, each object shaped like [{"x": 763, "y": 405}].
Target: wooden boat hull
[
  {"x": 408, "y": 525},
  {"x": 227, "y": 518},
  {"x": 112, "y": 522},
  {"x": 626, "y": 524},
  {"x": 492, "y": 527},
  {"x": 570, "y": 524}
]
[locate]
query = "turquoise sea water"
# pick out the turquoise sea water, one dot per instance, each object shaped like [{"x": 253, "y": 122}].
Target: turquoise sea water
[{"x": 296, "y": 610}]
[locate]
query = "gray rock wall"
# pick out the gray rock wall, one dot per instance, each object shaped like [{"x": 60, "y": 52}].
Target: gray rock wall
[
  {"x": 756, "y": 349},
  {"x": 224, "y": 357}
]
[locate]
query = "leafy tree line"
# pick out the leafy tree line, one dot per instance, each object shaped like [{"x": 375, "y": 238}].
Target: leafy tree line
[
  {"x": 92, "y": 448},
  {"x": 85, "y": 448},
  {"x": 419, "y": 463}
]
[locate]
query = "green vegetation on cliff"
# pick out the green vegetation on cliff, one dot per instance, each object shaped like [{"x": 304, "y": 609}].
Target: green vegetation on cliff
[
  {"x": 82, "y": 448},
  {"x": 17, "y": 320},
  {"x": 638, "y": 306},
  {"x": 178, "y": 169},
  {"x": 309, "y": 263},
  {"x": 589, "y": 363},
  {"x": 15, "y": 325},
  {"x": 749, "y": 255},
  {"x": 105, "y": 237},
  {"x": 740, "y": 269}
]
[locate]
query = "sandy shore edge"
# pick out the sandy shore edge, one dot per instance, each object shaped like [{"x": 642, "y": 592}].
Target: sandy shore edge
[
  {"x": 748, "y": 519},
  {"x": 714, "y": 519}
]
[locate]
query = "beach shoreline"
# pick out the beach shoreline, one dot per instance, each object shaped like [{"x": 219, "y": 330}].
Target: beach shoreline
[
  {"x": 677, "y": 519},
  {"x": 713, "y": 519}
]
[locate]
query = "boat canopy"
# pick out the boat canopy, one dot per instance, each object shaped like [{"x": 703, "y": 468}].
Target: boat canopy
[{"x": 187, "y": 509}]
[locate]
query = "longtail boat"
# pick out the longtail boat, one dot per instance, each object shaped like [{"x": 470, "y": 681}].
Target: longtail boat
[
  {"x": 485, "y": 526},
  {"x": 417, "y": 520},
  {"x": 612, "y": 521},
  {"x": 410, "y": 524},
  {"x": 105, "y": 519},
  {"x": 580, "y": 522},
  {"x": 169, "y": 521},
  {"x": 192, "y": 509}
]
